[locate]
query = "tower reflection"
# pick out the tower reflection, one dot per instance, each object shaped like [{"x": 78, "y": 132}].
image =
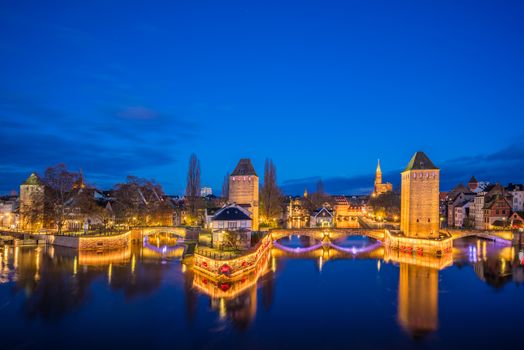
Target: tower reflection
[{"x": 418, "y": 299}]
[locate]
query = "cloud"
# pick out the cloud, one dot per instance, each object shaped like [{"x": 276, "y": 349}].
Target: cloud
[{"x": 109, "y": 145}]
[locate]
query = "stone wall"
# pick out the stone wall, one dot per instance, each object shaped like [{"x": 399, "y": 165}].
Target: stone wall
[
  {"x": 419, "y": 212},
  {"x": 89, "y": 242}
]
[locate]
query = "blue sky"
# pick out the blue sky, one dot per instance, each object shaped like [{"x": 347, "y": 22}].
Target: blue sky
[{"x": 324, "y": 88}]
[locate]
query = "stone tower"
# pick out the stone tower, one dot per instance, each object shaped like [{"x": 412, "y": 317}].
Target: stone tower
[
  {"x": 419, "y": 211},
  {"x": 243, "y": 189},
  {"x": 32, "y": 193}
]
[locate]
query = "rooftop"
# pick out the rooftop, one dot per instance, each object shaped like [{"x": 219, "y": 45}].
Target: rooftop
[
  {"x": 420, "y": 161},
  {"x": 244, "y": 167}
]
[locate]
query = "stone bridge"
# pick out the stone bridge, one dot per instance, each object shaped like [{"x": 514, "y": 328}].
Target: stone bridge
[
  {"x": 182, "y": 232},
  {"x": 328, "y": 234},
  {"x": 497, "y": 236}
]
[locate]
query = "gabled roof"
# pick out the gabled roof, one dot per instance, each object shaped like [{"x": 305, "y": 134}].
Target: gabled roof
[
  {"x": 519, "y": 214},
  {"x": 33, "y": 179},
  {"x": 420, "y": 161},
  {"x": 212, "y": 211},
  {"x": 494, "y": 199},
  {"x": 231, "y": 213},
  {"x": 244, "y": 167},
  {"x": 323, "y": 213}
]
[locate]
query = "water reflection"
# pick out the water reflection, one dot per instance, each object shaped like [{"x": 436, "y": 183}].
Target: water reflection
[
  {"x": 418, "y": 299},
  {"x": 52, "y": 283}
]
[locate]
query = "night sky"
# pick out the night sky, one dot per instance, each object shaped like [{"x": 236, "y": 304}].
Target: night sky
[{"x": 323, "y": 88}]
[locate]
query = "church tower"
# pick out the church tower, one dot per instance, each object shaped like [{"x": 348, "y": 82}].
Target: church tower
[
  {"x": 243, "y": 189},
  {"x": 419, "y": 211},
  {"x": 378, "y": 175},
  {"x": 380, "y": 188}
]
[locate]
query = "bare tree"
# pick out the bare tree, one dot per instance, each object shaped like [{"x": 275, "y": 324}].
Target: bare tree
[
  {"x": 59, "y": 193},
  {"x": 193, "y": 186},
  {"x": 225, "y": 187},
  {"x": 270, "y": 194},
  {"x": 319, "y": 196},
  {"x": 140, "y": 202}
]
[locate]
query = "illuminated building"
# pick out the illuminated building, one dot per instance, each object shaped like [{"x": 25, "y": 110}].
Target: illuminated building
[
  {"x": 346, "y": 212},
  {"x": 206, "y": 191},
  {"x": 322, "y": 217},
  {"x": 32, "y": 203},
  {"x": 9, "y": 213},
  {"x": 297, "y": 215},
  {"x": 243, "y": 188},
  {"x": 231, "y": 221},
  {"x": 419, "y": 212},
  {"x": 380, "y": 187}
]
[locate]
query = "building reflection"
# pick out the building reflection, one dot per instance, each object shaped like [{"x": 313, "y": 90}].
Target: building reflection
[
  {"x": 237, "y": 299},
  {"x": 57, "y": 281},
  {"x": 418, "y": 299}
]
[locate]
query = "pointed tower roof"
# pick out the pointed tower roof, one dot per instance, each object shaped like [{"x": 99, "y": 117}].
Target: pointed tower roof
[
  {"x": 244, "y": 167},
  {"x": 420, "y": 161},
  {"x": 378, "y": 167},
  {"x": 473, "y": 180},
  {"x": 33, "y": 179}
]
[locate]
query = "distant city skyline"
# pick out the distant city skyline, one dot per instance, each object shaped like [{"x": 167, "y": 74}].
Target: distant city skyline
[{"x": 120, "y": 88}]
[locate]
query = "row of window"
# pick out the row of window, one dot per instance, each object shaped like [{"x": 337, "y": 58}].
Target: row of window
[
  {"x": 423, "y": 175},
  {"x": 232, "y": 224},
  {"x": 240, "y": 178}
]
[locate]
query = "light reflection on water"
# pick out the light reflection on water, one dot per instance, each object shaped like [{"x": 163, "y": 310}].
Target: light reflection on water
[{"x": 54, "y": 294}]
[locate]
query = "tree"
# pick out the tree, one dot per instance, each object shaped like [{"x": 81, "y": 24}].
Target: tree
[
  {"x": 225, "y": 187},
  {"x": 59, "y": 195},
  {"x": 193, "y": 186},
  {"x": 270, "y": 194},
  {"x": 140, "y": 202},
  {"x": 319, "y": 197},
  {"x": 386, "y": 205}
]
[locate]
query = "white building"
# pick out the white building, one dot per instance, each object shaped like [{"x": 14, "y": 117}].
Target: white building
[
  {"x": 8, "y": 214},
  {"x": 477, "y": 211},
  {"x": 517, "y": 191},
  {"x": 322, "y": 217},
  {"x": 462, "y": 212},
  {"x": 206, "y": 191},
  {"x": 231, "y": 218},
  {"x": 231, "y": 226}
]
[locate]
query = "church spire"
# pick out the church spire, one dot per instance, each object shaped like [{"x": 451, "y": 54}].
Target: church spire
[{"x": 378, "y": 174}]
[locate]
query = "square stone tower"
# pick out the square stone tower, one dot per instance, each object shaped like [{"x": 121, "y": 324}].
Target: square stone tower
[
  {"x": 419, "y": 208},
  {"x": 32, "y": 201},
  {"x": 243, "y": 189}
]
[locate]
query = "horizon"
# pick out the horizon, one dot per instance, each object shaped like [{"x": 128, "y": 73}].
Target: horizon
[
  {"x": 120, "y": 88},
  {"x": 310, "y": 184}
]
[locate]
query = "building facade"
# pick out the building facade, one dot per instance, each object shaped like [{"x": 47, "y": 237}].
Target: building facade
[
  {"x": 243, "y": 188},
  {"x": 9, "y": 213},
  {"x": 322, "y": 217},
  {"x": 297, "y": 215},
  {"x": 517, "y": 192},
  {"x": 419, "y": 212}
]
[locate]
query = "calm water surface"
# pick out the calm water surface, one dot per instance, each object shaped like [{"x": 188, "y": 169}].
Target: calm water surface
[{"x": 321, "y": 298}]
